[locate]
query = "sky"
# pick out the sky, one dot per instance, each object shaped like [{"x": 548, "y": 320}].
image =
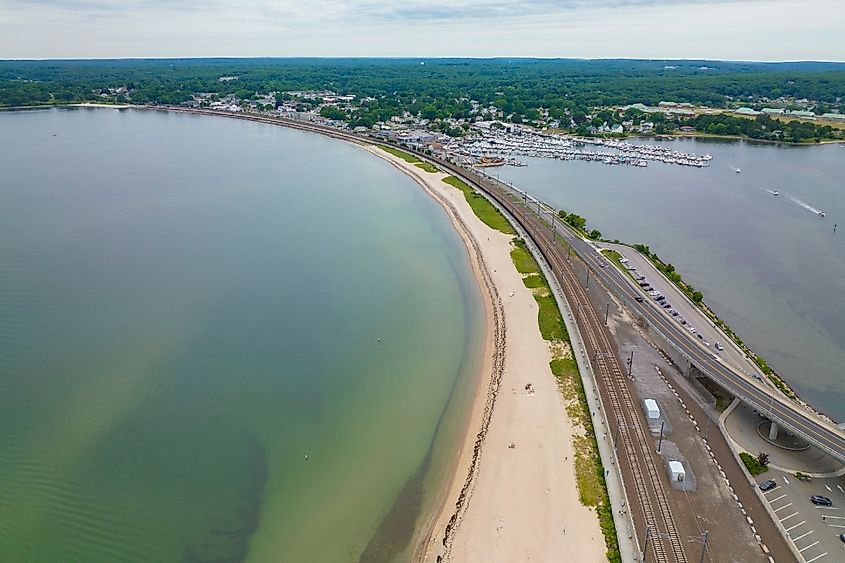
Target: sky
[{"x": 764, "y": 30}]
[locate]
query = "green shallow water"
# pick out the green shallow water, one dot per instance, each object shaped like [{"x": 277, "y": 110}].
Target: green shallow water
[{"x": 188, "y": 307}]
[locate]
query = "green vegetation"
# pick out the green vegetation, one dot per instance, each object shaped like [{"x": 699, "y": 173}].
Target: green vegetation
[
  {"x": 551, "y": 323},
  {"x": 523, "y": 259},
  {"x": 409, "y": 158},
  {"x": 523, "y": 90},
  {"x": 482, "y": 207},
  {"x": 761, "y": 127},
  {"x": 589, "y": 471},
  {"x": 400, "y": 154},
  {"x": 752, "y": 464},
  {"x": 616, "y": 259},
  {"x": 427, "y": 166},
  {"x": 781, "y": 384}
]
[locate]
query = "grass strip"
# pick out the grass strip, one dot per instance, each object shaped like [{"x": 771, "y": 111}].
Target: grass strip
[
  {"x": 752, "y": 465},
  {"x": 400, "y": 154},
  {"x": 589, "y": 471},
  {"x": 482, "y": 208},
  {"x": 427, "y": 166}
]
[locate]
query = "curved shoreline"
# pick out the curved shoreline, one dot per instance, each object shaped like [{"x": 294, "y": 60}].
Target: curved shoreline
[
  {"x": 492, "y": 370},
  {"x": 541, "y": 493}
]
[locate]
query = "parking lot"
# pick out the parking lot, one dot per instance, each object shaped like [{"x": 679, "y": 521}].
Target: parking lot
[
  {"x": 690, "y": 313},
  {"x": 814, "y": 530}
]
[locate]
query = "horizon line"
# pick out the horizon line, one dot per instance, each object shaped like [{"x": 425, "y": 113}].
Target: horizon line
[{"x": 421, "y": 58}]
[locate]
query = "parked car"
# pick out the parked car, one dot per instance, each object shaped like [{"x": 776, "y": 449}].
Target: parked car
[
  {"x": 638, "y": 299},
  {"x": 666, "y": 305},
  {"x": 768, "y": 485},
  {"x": 842, "y": 537},
  {"x": 819, "y": 500},
  {"x": 682, "y": 320}
]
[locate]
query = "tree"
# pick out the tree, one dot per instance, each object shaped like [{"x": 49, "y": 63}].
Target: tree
[
  {"x": 697, "y": 296},
  {"x": 595, "y": 234},
  {"x": 576, "y": 221},
  {"x": 763, "y": 459}
]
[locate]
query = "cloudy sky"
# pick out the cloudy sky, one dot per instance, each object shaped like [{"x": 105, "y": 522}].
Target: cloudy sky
[{"x": 714, "y": 29}]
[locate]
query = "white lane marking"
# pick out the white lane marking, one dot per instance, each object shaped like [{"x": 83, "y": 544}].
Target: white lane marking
[
  {"x": 827, "y": 508},
  {"x": 804, "y": 535},
  {"x": 816, "y": 557},
  {"x": 784, "y": 506},
  {"x": 808, "y": 547},
  {"x": 835, "y": 526},
  {"x": 801, "y": 523},
  {"x": 835, "y": 517},
  {"x": 788, "y": 517},
  {"x": 786, "y": 481},
  {"x": 775, "y": 499}
]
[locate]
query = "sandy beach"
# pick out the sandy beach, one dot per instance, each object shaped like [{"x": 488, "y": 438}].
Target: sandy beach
[{"x": 506, "y": 503}]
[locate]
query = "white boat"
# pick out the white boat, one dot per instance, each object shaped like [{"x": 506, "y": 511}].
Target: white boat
[{"x": 737, "y": 170}]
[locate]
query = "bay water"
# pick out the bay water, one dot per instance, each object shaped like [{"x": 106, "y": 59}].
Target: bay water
[
  {"x": 221, "y": 341},
  {"x": 769, "y": 265}
]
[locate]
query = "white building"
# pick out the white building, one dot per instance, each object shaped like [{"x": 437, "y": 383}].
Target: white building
[
  {"x": 652, "y": 411},
  {"x": 676, "y": 471}
]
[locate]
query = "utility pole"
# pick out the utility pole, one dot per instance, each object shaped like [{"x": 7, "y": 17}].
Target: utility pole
[
  {"x": 649, "y": 534},
  {"x": 630, "y": 363},
  {"x": 703, "y": 539},
  {"x": 660, "y": 443},
  {"x": 616, "y": 433},
  {"x": 606, "y": 313},
  {"x": 587, "y": 286}
]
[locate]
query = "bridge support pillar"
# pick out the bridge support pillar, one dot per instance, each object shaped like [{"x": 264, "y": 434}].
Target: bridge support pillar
[{"x": 773, "y": 431}]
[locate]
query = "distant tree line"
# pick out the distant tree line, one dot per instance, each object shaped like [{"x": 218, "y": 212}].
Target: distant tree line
[{"x": 522, "y": 89}]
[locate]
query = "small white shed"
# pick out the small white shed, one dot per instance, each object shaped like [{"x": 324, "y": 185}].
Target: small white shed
[
  {"x": 676, "y": 471},
  {"x": 652, "y": 411}
]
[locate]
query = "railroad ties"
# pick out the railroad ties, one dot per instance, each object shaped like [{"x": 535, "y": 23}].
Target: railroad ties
[{"x": 633, "y": 438}]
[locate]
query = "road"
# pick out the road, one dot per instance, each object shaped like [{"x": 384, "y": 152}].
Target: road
[
  {"x": 773, "y": 404},
  {"x": 554, "y": 239},
  {"x": 694, "y": 316}
]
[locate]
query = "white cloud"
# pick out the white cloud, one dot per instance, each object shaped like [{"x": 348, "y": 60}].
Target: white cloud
[{"x": 726, "y": 29}]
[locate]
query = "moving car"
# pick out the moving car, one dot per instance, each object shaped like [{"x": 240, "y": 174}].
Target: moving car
[
  {"x": 819, "y": 500},
  {"x": 638, "y": 299},
  {"x": 719, "y": 347},
  {"x": 768, "y": 485}
]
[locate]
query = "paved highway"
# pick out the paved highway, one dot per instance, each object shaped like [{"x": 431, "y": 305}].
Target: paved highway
[
  {"x": 695, "y": 317},
  {"x": 782, "y": 410},
  {"x": 771, "y": 403}
]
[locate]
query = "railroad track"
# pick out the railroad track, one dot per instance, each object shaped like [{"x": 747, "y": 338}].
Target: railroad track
[{"x": 632, "y": 436}]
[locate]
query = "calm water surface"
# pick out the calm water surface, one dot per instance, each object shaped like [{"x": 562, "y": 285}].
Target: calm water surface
[
  {"x": 188, "y": 307},
  {"x": 772, "y": 269}
]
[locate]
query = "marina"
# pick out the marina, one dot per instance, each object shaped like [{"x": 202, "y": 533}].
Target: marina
[
  {"x": 495, "y": 147},
  {"x": 768, "y": 265}
]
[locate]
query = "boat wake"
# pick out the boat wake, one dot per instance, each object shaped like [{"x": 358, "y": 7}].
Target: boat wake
[{"x": 807, "y": 206}]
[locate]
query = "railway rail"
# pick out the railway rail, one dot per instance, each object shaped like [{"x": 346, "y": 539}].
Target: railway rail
[
  {"x": 633, "y": 437},
  {"x": 657, "y": 524}
]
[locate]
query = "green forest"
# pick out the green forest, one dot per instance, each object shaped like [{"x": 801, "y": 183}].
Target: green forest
[{"x": 437, "y": 89}]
